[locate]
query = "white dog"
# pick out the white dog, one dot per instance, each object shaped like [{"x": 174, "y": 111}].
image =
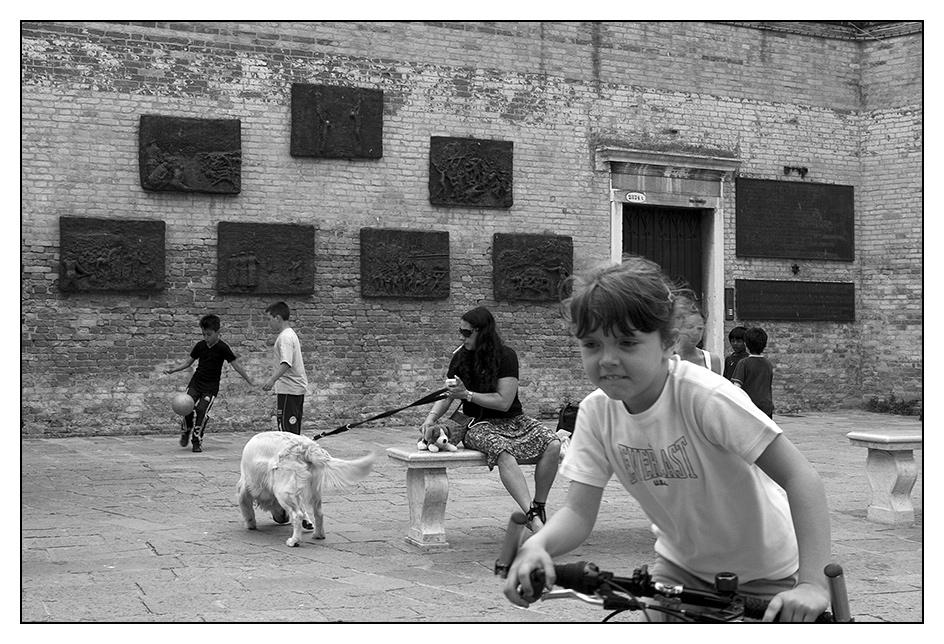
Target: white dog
[{"x": 283, "y": 471}]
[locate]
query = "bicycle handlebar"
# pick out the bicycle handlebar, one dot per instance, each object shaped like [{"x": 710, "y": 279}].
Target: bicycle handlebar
[{"x": 585, "y": 581}]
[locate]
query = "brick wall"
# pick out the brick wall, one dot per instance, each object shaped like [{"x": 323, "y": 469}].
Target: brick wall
[{"x": 93, "y": 363}]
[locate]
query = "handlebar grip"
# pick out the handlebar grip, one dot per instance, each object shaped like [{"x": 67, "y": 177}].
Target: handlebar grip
[
  {"x": 510, "y": 547},
  {"x": 838, "y": 598},
  {"x": 580, "y": 576}
]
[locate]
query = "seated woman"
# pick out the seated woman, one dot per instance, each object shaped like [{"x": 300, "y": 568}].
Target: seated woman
[{"x": 486, "y": 373}]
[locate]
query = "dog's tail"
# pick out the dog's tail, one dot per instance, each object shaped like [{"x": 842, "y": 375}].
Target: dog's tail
[{"x": 340, "y": 474}]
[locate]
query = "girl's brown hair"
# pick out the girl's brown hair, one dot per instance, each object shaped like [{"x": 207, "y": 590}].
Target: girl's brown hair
[{"x": 628, "y": 297}]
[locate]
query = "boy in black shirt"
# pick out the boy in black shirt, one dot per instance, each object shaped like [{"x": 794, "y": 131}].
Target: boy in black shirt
[
  {"x": 204, "y": 385},
  {"x": 736, "y": 338}
]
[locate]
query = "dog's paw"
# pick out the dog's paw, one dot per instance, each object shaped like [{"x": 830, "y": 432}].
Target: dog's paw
[
  {"x": 318, "y": 536},
  {"x": 292, "y": 542},
  {"x": 251, "y": 525}
]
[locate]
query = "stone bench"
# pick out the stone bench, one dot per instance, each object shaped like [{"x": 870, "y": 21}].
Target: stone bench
[
  {"x": 891, "y": 469},
  {"x": 427, "y": 489}
]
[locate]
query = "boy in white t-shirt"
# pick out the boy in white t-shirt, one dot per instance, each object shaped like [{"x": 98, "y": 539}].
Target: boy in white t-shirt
[
  {"x": 288, "y": 377},
  {"x": 724, "y": 488}
]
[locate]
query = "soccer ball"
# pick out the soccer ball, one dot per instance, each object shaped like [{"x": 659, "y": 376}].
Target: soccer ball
[{"x": 182, "y": 404}]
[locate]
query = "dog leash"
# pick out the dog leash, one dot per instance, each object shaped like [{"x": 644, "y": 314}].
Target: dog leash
[{"x": 433, "y": 397}]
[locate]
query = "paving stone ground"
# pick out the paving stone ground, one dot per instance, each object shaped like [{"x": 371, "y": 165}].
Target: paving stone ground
[{"x": 137, "y": 529}]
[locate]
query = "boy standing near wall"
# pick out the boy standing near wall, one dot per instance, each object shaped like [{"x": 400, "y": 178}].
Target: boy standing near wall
[
  {"x": 288, "y": 377},
  {"x": 736, "y": 338},
  {"x": 754, "y": 374}
]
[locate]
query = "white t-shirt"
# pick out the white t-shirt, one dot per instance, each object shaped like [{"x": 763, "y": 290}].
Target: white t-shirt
[
  {"x": 688, "y": 461},
  {"x": 288, "y": 349}
]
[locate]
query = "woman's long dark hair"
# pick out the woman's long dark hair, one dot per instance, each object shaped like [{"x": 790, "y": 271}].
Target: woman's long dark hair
[{"x": 481, "y": 366}]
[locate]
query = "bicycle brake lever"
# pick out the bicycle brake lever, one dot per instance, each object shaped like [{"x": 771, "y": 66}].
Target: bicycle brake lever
[{"x": 566, "y": 593}]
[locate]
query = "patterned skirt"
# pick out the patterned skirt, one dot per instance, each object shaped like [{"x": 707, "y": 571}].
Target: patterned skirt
[{"x": 522, "y": 436}]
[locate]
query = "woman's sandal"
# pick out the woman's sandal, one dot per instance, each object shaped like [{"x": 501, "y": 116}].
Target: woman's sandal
[{"x": 536, "y": 512}]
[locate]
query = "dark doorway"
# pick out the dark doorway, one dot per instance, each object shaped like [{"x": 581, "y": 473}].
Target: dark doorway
[{"x": 671, "y": 237}]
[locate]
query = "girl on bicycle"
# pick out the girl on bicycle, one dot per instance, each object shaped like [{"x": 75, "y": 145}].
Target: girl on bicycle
[{"x": 724, "y": 488}]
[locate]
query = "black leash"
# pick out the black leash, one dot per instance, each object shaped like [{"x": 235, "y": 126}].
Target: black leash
[{"x": 425, "y": 400}]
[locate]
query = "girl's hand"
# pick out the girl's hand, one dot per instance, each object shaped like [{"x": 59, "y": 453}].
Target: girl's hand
[
  {"x": 804, "y": 603},
  {"x": 517, "y": 587}
]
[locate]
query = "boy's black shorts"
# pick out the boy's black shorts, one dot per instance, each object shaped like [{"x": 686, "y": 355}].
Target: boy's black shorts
[{"x": 288, "y": 412}]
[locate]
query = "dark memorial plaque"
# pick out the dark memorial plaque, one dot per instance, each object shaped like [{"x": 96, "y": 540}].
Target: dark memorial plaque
[
  {"x": 530, "y": 267},
  {"x": 773, "y": 300},
  {"x": 265, "y": 258},
  {"x": 790, "y": 220},
  {"x": 336, "y": 122},
  {"x": 470, "y": 172},
  {"x": 110, "y": 254},
  {"x": 404, "y": 263},
  {"x": 177, "y": 154}
]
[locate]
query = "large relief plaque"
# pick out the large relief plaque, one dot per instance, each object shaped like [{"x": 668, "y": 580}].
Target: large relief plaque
[
  {"x": 336, "y": 122},
  {"x": 776, "y": 300},
  {"x": 265, "y": 258},
  {"x": 531, "y": 267},
  {"x": 404, "y": 263},
  {"x": 110, "y": 254},
  {"x": 177, "y": 154},
  {"x": 470, "y": 172},
  {"x": 791, "y": 220}
]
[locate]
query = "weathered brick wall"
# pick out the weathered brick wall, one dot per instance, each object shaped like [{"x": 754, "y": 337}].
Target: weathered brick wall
[{"x": 93, "y": 363}]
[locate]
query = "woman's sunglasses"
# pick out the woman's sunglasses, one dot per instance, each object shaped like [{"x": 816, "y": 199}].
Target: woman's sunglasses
[{"x": 467, "y": 332}]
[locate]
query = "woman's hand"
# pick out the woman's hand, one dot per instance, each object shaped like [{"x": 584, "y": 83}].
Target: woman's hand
[{"x": 458, "y": 390}]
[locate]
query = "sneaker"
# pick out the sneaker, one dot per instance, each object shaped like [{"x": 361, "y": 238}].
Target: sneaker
[
  {"x": 196, "y": 446},
  {"x": 184, "y": 433}
]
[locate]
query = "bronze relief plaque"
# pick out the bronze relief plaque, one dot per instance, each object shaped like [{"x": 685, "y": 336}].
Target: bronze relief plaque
[
  {"x": 336, "y": 122},
  {"x": 265, "y": 258},
  {"x": 531, "y": 267},
  {"x": 110, "y": 255},
  {"x": 470, "y": 172},
  {"x": 177, "y": 154},
  {"x": 404, "y": 263}
]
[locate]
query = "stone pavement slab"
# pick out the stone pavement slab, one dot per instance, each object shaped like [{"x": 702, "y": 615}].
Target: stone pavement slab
[{"x": 137, "y": 529}]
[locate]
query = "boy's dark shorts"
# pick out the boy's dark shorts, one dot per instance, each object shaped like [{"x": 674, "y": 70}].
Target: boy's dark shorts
[{"x": 288, "y": 412}]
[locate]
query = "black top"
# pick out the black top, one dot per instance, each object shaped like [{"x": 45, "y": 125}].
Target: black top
[
  {"x": 206, "y": 379},
  {"x": 507, "y": 368},
  {"x": 731, "y": 362}
]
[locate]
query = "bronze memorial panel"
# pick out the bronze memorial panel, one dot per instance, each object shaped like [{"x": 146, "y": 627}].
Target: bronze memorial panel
[
  {"x": 336, "y": 122},
  {"x": 776, "y": 300},
  {"x": 110, "y": 254},
  {"x": 177, "y": 154},
  {"x": 530, "y": 267},
  {"x": 470, "y": 172},
  {"x": 265, "y": 258},
  {"x": 404, "y": 263},
  {"x": 791, "y": 220}
]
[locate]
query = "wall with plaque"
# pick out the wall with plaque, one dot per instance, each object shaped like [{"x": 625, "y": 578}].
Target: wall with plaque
[
  {"x": 265, "y": 258},
  {"x": 110, "y": 254},
  {"x": 792, "y": 220},
  {"x": 779, "y": 300},
  {"x": 530, "y": 267},
  {"x": 404, "y": 263},
  {"x": 470, "y": 172},
  {"x": 177, "y": 154},
  {"x": 336, "y": 122}
]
